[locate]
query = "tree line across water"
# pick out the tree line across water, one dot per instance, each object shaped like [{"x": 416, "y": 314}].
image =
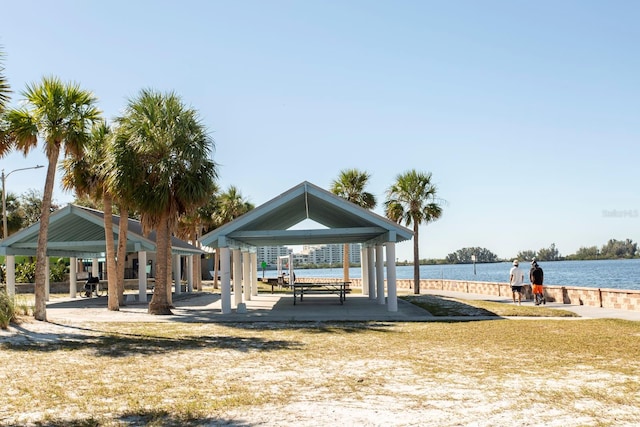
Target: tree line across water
[{"x": 613, "y": 249}]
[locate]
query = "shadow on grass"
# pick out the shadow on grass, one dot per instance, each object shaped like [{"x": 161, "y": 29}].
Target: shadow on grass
[
  {"x": 146, "y": 418},
  {"x": 122, "y": 344},
  {"x": 442, "y": 306},
  {"x": 328, "y": 327}
]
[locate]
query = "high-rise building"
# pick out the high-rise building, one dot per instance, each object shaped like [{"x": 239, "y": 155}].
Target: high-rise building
[
  {"x": 331, "y": 254},
  {"x": 270, "y": 254},
  {"x": 311, "y": 254}
]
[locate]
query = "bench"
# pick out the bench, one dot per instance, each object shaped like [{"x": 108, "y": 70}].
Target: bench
[
  {"x": 337, "y": 288},
  {"x": 279, "y": 282}
]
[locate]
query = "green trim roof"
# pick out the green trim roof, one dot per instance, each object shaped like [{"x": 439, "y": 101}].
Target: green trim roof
[
  {"x": 268, "y": 224},
  {"x": 76, "y": 231}
]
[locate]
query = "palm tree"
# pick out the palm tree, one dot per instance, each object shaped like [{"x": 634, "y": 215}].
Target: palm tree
[
  {"x": 227, "y": 207},
  {"x": 350, "y": 186},
  {"x": 15, "y": 219},
  {"x": 166, "y": 169},
  {"x": 62, "y": 115},
  {"x": 87, "y": 176},
  {"x": 412, "y": 199},
  {"x": 5, "y": 90},
  {"x": 191, "y": 226},
  {"x": 230, "y": 205},
  {"x": 119, "y": 157}
]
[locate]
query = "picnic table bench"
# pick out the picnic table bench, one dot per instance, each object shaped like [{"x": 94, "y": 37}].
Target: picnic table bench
[
  {"x": 337, "y": 288},
  {"x": 277, "y": 281}
]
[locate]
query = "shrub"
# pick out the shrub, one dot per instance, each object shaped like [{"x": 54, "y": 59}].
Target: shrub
[
  {"x": 26, "y": 272},
  {"x": 58, "y": 271},
  {"x": 7, "y": 310},
  {"x": 23, "y": 306}
]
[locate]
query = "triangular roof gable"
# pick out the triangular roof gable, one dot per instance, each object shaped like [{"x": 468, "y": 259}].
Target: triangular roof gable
[
  {"x": 79, "y": 231},
  {"x": 268, "y": 224}
]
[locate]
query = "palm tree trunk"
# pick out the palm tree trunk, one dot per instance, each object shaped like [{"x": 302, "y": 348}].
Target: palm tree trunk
[
  {"x": 158, "y": 303},
  {"x": 113, "y": 302},
  {"x": 416, "y": 260},
  {"x": 216, "y": 262},
  {"x": 197, "y": 270},
  {"x": 170, "y": 271},
  {"x": 40, "y": 308},
  {"x": 122, "y": 251},
  {"x": 345, "y": 262}
]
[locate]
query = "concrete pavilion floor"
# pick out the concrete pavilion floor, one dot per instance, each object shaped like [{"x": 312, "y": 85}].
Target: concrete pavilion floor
[{"x": 206, "y": 307}]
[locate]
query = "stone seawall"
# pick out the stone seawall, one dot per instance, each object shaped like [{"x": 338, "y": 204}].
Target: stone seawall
[{"x": 624, "y": 299}]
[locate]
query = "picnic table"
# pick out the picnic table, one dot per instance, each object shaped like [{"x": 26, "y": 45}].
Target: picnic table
[
  {"x": 275, "y": 281},
  {"x": 337, "y": 288}
]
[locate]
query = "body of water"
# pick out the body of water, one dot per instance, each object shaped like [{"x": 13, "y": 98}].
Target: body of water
[{"x": 616, "y": 274}]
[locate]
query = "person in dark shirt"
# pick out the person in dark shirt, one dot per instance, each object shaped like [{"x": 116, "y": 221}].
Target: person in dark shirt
[{"x": 536, "y": 276}]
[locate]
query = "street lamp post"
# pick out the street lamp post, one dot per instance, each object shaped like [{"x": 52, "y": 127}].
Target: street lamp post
[{"x": 4, "y": 197}]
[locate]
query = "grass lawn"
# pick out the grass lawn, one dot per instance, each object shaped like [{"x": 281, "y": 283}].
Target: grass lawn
[
  {"x": 533, "y": 372},
  {"x": 445, "y": 306}
]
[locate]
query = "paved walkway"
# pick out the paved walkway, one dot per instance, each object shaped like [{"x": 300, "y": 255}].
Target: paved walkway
[{"x": 206, "y": 307}]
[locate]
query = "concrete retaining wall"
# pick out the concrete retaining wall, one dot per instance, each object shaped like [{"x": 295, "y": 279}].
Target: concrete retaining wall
[{"x": 624, "y": 299}]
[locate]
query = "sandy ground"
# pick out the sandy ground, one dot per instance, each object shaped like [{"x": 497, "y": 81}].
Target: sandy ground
[{"x": 399, "y": 400}]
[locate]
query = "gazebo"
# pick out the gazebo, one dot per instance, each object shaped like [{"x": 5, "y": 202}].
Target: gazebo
[
  {"x": 78, "y": 233},
  {"x": 271, "y": 225}
]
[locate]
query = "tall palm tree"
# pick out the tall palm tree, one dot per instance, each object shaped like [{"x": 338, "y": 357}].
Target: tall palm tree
[
  {"x": 5, "y": 91},
  {"x": 191, "y": 226},
  {"x": 62, "y": 115},
  {"x": 228, "y": 206},
  {"x": 119, "y": 157},
  {"x": 412, "y": 199},
  {"x": 87, "y": 176},
  {"x": 166, "y": 169},
  {"x": 350, "y": 185}
]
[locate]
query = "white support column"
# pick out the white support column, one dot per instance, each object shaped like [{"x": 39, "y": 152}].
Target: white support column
[
  {"x": 246, "y": 275},
  {"x": 364, "y": 270},
  {"x": 380, "y": 274},
  {"x": 237, "y": 276},
  {"x": 142, "y": 276},
  {"x": 177, "y": 272},
  {"x": 392, "y": 290},
  {"x": 10, "y": 261},
  {"x": 190, "y": 260},
  {"x": 291, "y": 272},
  {"x": 371, "y": 264},
  {"x": 95, "y": 268},
  {"x": 225, "y": 280},
  {"x": 47, "y": 281},
  {"x": 254, "y": 274},
  {"x": 73, "y": 277}
]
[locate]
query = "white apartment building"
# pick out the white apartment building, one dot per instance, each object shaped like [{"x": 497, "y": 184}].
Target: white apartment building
[
  {"x": 330, "y": 254},
  {"x": 315, "y": 254},
  {"x": 270, "y": 254}
]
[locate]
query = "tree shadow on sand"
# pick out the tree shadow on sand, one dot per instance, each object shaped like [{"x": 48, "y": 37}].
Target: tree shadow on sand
[
  {"x": 108, "y": 344},
  {"x": 444, "y": 306},
  {"x": 157, "y": 418}
]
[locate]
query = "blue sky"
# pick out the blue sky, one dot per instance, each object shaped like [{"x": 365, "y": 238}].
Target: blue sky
[{"x": 525, "y": 112}]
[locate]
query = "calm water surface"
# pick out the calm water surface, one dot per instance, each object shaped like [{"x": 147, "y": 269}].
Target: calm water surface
[{"x": 617, "y": 274}]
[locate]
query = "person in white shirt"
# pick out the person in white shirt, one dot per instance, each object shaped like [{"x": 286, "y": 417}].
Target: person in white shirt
[{"x": 516, "y": 279}]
